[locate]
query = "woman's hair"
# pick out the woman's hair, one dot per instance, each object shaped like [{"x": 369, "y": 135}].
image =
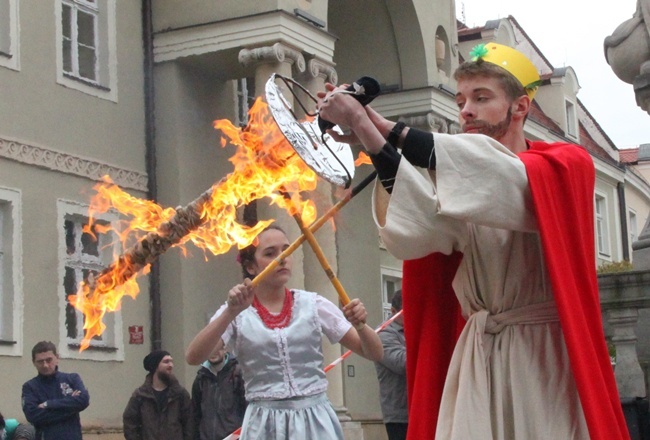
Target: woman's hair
[
  {"x": 246, "y": 255},
  {"x": 480, "y": 68}
]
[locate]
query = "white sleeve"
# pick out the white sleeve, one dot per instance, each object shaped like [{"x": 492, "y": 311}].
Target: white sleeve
[
  {"x": 227, "y": 334},
  {"x": 332, "y": 320},
  {"x": 480, "y": 181},
  {"x": 477, "y": 180}
]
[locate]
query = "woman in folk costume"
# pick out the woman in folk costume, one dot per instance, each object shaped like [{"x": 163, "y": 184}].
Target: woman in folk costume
[
  {"x": 505, "y": 225},
  {"x": 278, "y": 344}
]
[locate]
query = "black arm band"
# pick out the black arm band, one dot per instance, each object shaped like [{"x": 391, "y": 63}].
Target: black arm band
[
  {"x": 393, "y": 136},
  {"x": 418, "y": 149},
  {"x": 386, "y": 163}
]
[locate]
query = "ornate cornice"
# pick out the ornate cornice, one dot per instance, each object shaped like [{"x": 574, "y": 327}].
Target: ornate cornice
[
  {"x": 71, "y": 164},
  {"x": 278, "y": 53}
]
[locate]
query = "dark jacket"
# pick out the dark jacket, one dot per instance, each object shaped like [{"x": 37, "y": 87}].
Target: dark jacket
[
  {"x": 218, "y": 401},
  {"x": 391, "y": 372},
  {"x": 60, "y": 419},
  {"x": 143, "y": 421}
]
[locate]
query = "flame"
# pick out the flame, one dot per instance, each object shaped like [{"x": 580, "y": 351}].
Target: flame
[
  {"x": 362, "y": 159},
  {"x": 265, "y": 165}
]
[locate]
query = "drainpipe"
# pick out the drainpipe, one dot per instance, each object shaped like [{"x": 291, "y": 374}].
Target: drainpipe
[
  {"x": 150, "y": 159},
  {"x": 620, "y": 187}
]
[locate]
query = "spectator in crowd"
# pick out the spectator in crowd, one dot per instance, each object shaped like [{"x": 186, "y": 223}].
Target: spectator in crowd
[
  {"x": 11, "y": 429},
  {"x": 53, "y": 400},
  {"x": 391, "y": 373},
  {"x": 24, "y": 431},
  {"x": 218, "y": 400},
  {"x": 160, "y": 409},
  {"x": 7, "y": 427}
]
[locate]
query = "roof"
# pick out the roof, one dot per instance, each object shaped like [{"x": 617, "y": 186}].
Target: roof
[{"x": 629, "y": 156}]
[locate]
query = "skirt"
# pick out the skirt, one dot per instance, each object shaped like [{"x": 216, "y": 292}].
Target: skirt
[{"x": 310, "y": 417}]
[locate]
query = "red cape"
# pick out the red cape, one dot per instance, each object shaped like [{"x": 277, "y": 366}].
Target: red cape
[{"x": 561, "y": 178}]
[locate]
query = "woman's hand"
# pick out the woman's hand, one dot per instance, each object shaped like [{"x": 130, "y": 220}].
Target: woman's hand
[
  {"x": 356, "y": 313},
  {"x": 240, "y": 297},
  {"x": 362, "y": 339}
]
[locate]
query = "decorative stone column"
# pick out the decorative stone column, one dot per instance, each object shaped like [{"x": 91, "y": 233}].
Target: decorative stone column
[
  {"x": 313, "y": 79},
  {"x": 622, "y": 295},
  {"x": 278, "y": 58},
  {"x": 263, "y": 62},
  {"x": 629, "y": 376},
  {"x": 318, "y": 72},
  {"x": 430, "y": 122}
]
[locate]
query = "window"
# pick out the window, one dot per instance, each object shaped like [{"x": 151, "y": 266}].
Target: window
[
  {"x": 10, "y": 274},
  {"x": 86, "y": 46},
  {"x": 571, "y": 119},
  {"x": 245, "y": 97},
  {"x": 391, "y": 282},
  {"x": 83, "y": 255},
  {"x": 9, "y": 34},
  {"x": 79, "y": 29},
  {"x": 632, "y": 227},
  {"x": 602, "y": 230}
]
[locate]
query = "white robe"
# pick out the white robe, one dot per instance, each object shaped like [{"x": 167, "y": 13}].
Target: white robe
[{"x": 510, "y": 376}]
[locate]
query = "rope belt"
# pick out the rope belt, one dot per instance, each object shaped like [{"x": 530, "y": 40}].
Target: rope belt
[{"x": 532, "y": 314}]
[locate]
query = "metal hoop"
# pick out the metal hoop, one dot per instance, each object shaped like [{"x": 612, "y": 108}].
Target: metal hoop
[{"x": 331, "y": 160}]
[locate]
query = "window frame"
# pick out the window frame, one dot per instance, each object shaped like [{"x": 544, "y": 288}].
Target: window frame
[
  {"x": 244, "y": 98},
  {"x": 105, "y": 83},
  {"x": 601, "y": 226},
  {"x": 389, "y": 275},
  {"x": 10, "y": 56},
  {"x": 111, "y": 348},
  {"x": 11, "y": 336},
  {"x": 90, "y": 9},
  {"x": 632, "y": 226},
  {"x": 571, "y": 118}
]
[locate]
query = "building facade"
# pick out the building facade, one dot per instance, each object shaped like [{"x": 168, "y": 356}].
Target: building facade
[{"x": 131, "y": 90}]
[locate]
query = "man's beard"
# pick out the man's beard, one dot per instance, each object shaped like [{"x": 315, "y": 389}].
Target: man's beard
[
  {"x": 166, "y": 377},
  {"x": 495, "y": 131}
]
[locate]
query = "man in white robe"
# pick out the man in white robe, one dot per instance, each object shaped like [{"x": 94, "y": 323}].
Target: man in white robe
[{"x": 531, "y": 356}]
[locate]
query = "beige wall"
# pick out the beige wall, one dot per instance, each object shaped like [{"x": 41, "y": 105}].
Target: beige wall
[{"x": 49, "y": 120}]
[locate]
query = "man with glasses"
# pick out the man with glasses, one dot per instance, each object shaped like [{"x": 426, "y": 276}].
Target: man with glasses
[{"x": 53, "y": 400}]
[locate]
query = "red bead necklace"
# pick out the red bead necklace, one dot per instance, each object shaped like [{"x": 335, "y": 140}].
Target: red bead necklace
[{"x": 280, "y": 320}]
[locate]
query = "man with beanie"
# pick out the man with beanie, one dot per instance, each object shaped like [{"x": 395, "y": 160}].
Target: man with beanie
[
  {"x": 218, "y": 396},
  {"x": 161, "y": 408}
]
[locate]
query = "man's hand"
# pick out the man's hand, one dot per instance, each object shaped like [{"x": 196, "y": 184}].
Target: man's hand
[{"x": 367, "y": 126}]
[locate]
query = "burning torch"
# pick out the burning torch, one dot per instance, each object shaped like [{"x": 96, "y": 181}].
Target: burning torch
[{"x": 263, "y": 167}]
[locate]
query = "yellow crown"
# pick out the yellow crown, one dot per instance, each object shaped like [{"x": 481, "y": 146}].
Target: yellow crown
[{"x": 516, "y": 63}]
